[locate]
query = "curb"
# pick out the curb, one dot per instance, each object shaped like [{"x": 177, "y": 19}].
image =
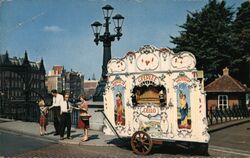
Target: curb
[
  {"x": 55, "y": 140},
  {"x": 218, "y": 127},
  {"x": 211, "y": 129},
  {"x": 28, "y": 135},
  {"x": 69, "y": 142},
  {"x": 79, "y": 143}
]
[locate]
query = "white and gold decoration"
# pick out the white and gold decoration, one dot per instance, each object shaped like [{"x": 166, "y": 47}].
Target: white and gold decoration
[{"x": 156, "y": 91}]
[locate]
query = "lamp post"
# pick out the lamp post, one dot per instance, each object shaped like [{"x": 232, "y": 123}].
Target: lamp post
[
  {"x": 2, "y": 96},
  {"x": 106, "y": 38}
]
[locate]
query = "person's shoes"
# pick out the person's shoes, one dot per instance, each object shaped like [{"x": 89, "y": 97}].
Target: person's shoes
[
  {"x": 69, "y": 138},
  {"x": 61, "y": 138},
  {"x": 84, "y": 139},
  {"x": 56, "y": 134}
]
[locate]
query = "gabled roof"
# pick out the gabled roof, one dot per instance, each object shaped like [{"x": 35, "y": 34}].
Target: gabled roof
[
  {"x": 226, "y": 83},
  {"x": 4, "y": 58},
  {"x": 14, "y": 61},
  {"x": 58, "y": 69}
]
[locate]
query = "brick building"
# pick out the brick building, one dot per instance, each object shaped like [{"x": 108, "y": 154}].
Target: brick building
[{"x": 226, "y": 91}]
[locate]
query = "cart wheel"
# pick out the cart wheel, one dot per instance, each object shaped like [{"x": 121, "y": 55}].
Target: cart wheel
[{"x": 141, "y": 143}]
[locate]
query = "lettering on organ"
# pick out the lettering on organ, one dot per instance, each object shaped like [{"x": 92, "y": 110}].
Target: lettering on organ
[
  {"x": 153, "y": 111},
  {"x": 147, "y": 79}
]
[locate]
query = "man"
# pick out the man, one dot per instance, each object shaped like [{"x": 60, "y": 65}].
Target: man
[
  {"x": 57, "y": 102},
  {"x": 66, "y": 110}
]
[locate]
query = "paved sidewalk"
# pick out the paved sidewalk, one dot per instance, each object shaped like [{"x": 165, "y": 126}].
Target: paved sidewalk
[
  {"x": 97, "y": 138},
  {"x": 220, "y": 126}
]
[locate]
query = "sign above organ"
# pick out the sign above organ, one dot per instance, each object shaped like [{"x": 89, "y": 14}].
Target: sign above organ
[
  {"x": 150, "y": 58},
  {"x": 147, "y": 79}
]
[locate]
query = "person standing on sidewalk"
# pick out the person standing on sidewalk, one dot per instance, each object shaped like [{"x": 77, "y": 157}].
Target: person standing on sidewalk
[
  {"x": 57, "y": 102},
  {"x": 43, "y": 117},
  {"x": 84, "y": 117},
  {"x": 66, "y": 109}
]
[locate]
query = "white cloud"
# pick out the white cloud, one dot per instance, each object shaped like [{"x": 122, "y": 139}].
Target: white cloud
[{"x": 52, "y": 29}]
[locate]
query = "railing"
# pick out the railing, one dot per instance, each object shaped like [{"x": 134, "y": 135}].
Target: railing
[
  {"x": 220, "y": 115},
  {"x": 214, "y": 116},
  {"x": 17, "y": 111},
  {"x": 74, "y": 117}
]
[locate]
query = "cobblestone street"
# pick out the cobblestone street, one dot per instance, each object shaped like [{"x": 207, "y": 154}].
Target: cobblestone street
[
  {"x": 220, "y": 146},
  {"x": 59, "y": 150}
]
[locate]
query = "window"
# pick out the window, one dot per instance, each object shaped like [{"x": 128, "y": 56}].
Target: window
[{"x": 222, "y": 101}]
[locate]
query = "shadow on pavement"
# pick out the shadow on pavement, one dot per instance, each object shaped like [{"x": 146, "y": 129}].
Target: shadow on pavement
[
  {"x": 177, "y": 148},
  {"x": 49, "y": 133},
  {"x": 76, "y": 135},
  {"x": 122, "y": 143},
  {"x": 95, "y": 136}
]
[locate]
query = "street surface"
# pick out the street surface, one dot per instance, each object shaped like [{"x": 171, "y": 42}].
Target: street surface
[
  {"x": 229, "y": 142},
  {"x": 12, "y": 143},
  {"x": 234, "y": 140}
]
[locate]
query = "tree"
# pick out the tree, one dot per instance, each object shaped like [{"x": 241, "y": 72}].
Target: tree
[
  {"x": 241, "y": 39},
  {"x": 207, "y": 34}
]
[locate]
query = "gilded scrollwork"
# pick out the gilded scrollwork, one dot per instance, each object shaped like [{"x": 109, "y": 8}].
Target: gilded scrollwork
[{"x": 140, "y": 78}]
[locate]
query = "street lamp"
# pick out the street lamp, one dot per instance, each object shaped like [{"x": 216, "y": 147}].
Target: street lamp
[
  {"x": 106, "y": 38},
  {"x": 2, "y": 96}
]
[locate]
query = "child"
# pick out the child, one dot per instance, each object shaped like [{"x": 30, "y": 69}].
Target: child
[{"x": 43, "y": 119}]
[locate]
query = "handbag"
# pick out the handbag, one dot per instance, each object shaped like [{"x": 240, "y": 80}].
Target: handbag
[{"x": 85, "y": 116}]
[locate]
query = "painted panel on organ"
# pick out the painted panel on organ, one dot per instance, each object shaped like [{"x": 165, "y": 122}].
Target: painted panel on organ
[{"x": 156, "y": 91}]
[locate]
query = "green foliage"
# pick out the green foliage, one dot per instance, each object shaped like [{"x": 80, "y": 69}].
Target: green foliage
[
  {"x": 208, "y": 35},
  {"x": 241, "y": 39}
]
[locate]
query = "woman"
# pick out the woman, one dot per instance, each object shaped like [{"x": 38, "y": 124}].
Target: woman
[
  {"x": 119, "y": 108},
  {"x": 84, "y": 117}
]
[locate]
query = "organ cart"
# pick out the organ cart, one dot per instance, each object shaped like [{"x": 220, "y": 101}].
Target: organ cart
[{"x": 154, "y": 95}]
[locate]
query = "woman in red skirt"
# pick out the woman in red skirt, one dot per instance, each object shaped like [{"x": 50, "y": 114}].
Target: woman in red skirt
[{"x": 84, "y": 117}]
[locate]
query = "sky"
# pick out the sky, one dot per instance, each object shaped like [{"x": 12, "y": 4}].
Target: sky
[{"x": 59, "y": 31}]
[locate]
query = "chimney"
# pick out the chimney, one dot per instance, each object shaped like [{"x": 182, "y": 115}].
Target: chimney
[{"x": 225, "y": 71}]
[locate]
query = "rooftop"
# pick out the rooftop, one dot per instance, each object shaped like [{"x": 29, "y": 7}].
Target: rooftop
[{"x": 226, "y": 83}]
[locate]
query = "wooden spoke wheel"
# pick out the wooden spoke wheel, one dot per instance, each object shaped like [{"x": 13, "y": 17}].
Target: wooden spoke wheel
[{"x": 141, "y": 143}]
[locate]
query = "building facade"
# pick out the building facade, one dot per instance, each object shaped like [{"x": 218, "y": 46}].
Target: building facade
[
  {"x": 226, "y": 91},
  {"x": 90, "y": 87},
  {"x": 22, "y": 83},
  {"x": 64, "y": 81},
  {"x": 55, "y": 79},
  {"x": 73, "y": 83}
]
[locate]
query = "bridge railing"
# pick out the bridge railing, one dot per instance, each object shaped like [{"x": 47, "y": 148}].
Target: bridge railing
[
  {"x": 220, "y": 115},
  {"x": 74, "y": 117}
]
